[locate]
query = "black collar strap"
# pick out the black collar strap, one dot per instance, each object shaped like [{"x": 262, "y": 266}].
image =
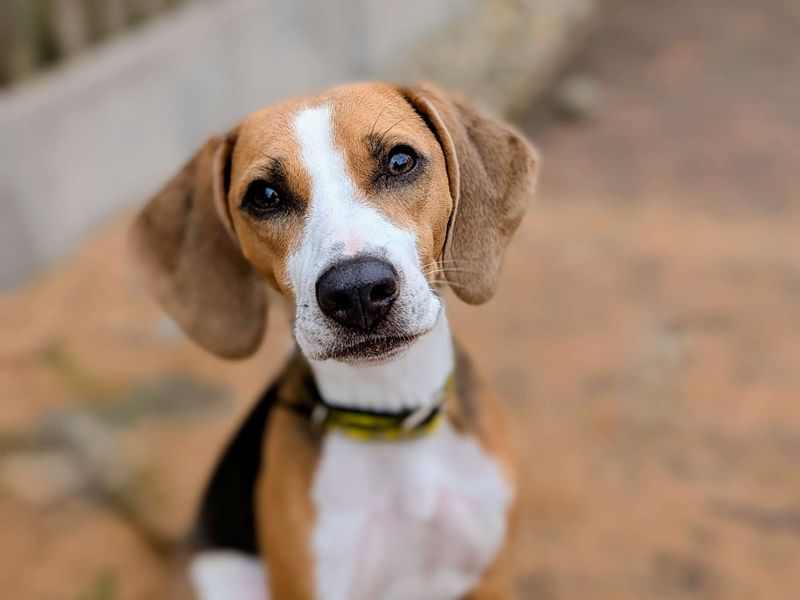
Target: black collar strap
[{"x": 367, "y": 425}]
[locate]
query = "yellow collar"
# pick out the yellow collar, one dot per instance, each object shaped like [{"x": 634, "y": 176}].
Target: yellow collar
[{"x": 377, "y": 426}]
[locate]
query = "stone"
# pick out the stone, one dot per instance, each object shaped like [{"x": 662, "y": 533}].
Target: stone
[
  {"x": 577, "y": 97},
  {"x": 41, "y": 478}
]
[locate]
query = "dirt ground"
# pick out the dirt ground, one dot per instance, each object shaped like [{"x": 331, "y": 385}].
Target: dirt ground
[{"x": 646, "y": 337}]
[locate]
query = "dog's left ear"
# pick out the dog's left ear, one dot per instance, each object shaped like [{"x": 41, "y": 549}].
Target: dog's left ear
[{"x": 492, "y": 173}]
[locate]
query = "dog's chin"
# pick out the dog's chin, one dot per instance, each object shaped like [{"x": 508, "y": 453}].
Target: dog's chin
[
  {"x": 374, "y": 352},
  {"x": 369, "y": 351}
]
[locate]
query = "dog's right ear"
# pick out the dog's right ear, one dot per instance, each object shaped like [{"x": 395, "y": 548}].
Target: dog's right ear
[
  {"x": 184, "y": 241},
  {"x": 492, "y": 170}
]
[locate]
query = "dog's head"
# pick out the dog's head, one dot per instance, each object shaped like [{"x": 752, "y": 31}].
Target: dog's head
[{"x": 354, "y": 204}]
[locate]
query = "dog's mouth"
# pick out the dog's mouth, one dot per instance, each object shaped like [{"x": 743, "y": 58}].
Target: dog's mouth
[
  {"x": 375, "y": 350},
  {"x": 391, "y": 339}
]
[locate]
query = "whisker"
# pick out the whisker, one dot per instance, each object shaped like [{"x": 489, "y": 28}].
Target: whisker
[
  {"x": 448, "y": 283},
  {"x": 372, "y": 129},
  {"x": 272, "y": 158},
  {"x": 449, "y": 265},
  {"x": 451, "y": 270},
  {"x": 453, "y": 261},
  {"x": 384, "y": 134},
  {"x": 462, "y": 270}
]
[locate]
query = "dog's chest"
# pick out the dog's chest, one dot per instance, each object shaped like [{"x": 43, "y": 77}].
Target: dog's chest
[{"x": 406, "y": 520}]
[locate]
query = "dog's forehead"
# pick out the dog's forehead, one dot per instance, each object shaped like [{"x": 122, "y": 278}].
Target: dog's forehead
[{"x": 356, "y": 112}]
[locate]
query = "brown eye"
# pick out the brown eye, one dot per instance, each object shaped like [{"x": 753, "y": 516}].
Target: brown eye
[
  {"x": 402, "y": 160},
  {"x": 261, "y": 198}
]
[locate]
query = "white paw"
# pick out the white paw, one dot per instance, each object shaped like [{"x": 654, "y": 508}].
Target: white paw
[{"x": 228, "y": 575}]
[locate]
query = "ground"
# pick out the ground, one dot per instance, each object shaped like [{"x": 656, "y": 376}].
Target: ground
[{"x": 645, "y": 337}]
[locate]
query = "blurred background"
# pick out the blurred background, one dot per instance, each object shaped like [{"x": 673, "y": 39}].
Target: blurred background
[{"x": 645, "y": 335}]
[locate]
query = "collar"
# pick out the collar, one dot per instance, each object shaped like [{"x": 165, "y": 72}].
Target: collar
[{"x": 366, "y": 425}]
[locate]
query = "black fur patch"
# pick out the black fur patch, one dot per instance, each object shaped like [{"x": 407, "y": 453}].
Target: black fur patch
[{"x": 227, "y": 513}]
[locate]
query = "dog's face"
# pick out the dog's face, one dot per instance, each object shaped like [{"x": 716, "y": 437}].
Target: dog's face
[
  {"x": 345, "y": 211},
  {"x": 354, "y": 204}
]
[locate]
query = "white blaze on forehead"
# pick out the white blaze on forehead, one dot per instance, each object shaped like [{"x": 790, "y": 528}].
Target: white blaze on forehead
[
  {"x": 330, "y": 185},
  {"x": 339, "y": 220}
]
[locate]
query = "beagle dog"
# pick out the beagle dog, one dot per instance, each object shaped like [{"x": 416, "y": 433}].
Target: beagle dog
[{"x": 377, "y": 467}]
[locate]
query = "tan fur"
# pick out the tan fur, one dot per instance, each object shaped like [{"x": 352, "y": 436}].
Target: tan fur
[
  {"x": 284, "y": 509},
  {"x": 383, "y": 112},
  {"x": 267, "y": 137}
]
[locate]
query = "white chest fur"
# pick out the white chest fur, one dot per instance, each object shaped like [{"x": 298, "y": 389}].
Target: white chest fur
[{"x": 406, "y": 520}]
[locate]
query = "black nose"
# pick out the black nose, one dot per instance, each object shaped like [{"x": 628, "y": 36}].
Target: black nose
[{"x": 358, "y": 293}]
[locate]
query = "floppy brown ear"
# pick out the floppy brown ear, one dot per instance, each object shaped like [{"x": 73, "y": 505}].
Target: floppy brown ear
[
  {"x": 492, "y": 171},
  {"x": 185, "y": 245}
]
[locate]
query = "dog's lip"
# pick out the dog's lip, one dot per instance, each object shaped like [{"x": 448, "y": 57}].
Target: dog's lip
[
  {"x": 369, "y": 349},
  {"x": 375, "y": 349}
]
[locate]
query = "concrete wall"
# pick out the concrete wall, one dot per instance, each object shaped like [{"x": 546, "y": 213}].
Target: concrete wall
[{"x": 103, "y": 132}]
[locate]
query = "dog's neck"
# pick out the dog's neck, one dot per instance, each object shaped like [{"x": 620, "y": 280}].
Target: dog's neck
[{"x": 413, "y": 380}]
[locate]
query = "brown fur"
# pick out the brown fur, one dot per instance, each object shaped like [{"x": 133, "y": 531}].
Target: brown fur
[
  {"x": 268, "y": 138},
  {"x": 191, "y": 262},
  {"x": 424, "y": 207},
  {"x": 492, "y": 171},
  {"x": 284, "y": 510}
]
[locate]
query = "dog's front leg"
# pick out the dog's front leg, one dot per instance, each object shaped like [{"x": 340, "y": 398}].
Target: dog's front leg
[
  {"x": 228, "y": 575},
  {"x": 497, "y": 582},
  {"x": 284, "y": 509}
]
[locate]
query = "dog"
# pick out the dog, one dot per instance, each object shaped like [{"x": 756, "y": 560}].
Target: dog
[{"x": 377, "y": 467}]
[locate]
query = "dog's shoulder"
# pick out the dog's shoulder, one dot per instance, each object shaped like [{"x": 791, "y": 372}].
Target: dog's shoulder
[
  {"x": 226, "y": 518},
  {"x": 475, "y": 410}
]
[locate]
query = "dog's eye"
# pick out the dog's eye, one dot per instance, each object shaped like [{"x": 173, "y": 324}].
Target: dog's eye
[
  {"x": 261, "y": 198},
  {"x": 402, "y": 160}
]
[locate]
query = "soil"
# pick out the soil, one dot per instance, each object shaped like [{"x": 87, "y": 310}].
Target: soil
[{"x": 646, "y": 337}]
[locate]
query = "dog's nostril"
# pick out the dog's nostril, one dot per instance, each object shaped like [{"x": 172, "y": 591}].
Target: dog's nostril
[
  {"x": 340, "y": 301},
  {"x": 382, "y": 291}
]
